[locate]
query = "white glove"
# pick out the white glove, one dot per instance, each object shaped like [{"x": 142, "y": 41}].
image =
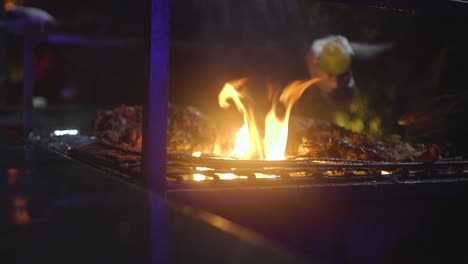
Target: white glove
[{"x": 330, "y": 58}]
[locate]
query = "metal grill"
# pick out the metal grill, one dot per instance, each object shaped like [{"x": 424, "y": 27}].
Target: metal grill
[{"x": 207, "y": 171}]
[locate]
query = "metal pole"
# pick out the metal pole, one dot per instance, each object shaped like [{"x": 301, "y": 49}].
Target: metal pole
[
  {"x": 154, "y": 140},
  {"x": 154, "y": 132},
  {"x": 28, "y": 84},
  {"x": 3, "y": 61}
]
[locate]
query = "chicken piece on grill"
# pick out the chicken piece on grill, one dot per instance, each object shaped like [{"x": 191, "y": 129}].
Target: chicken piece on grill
[
  {"x": 121, "y": 127},
  {"x": 330, "y": 141},
  {"x": 189, "y": 130}
]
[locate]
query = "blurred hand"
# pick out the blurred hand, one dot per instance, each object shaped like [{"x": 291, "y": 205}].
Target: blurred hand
[
  {"x": 329, "y": 82},
  {"x": 329, "y": 58}
]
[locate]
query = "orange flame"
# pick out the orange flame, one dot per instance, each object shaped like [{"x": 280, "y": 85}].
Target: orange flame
[
  {"x": 276, "y": 130},
  {"x": 248, "y": 143}
]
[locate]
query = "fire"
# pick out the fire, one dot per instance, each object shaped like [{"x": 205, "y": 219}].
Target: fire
[{"x": 248, "y": 143}]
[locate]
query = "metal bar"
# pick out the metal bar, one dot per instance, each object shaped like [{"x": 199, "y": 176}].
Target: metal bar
[
  {"x": 90, "y": 41},
  {"x": 154, "y": 137},
  {"x": 310, "y": 163},
  {"x": 181, "y": 168},
  {"x": 3, "y": 62},
  {"x": 154, "y": 129},
  {"x": 28, "y": 84}
]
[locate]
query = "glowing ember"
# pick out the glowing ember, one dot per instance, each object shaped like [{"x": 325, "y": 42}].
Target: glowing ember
[
  {"x": 248, "y": 142},
  {"x": 222, "y": 176},
  {"x": 203, "y": 168},
  {"x": 199, "y": 177},
  {"x": 264, "y": 176},
  {"x": 227, "y": 176}
]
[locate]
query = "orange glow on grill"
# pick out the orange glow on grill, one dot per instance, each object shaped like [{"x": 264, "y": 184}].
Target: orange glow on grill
[{"x": 199, "y": 177}]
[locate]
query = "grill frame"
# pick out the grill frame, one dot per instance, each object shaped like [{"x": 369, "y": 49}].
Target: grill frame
[{"x": 297, "y": 171}]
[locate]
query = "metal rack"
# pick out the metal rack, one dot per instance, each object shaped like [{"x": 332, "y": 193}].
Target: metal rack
[{"x": 181, "y": 168}]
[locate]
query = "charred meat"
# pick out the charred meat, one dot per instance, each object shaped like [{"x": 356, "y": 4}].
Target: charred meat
[
  {"x": 328, "y": 140},
  {"x": 121, "y": 127}
]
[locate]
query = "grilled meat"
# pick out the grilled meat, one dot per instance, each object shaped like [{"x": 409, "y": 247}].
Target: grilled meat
[
  {"x": 327, "y": 140},
  {"x": 121, "y": 127}
]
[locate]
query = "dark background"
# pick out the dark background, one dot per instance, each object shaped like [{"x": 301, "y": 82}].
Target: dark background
[{"x": 266, "y": 41}]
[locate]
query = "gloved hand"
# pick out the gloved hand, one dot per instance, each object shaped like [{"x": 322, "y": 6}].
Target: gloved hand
[{"x": 330, "y": 59}]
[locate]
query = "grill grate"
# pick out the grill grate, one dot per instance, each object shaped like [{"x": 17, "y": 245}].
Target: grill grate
[{"x": 186, "y": 171}]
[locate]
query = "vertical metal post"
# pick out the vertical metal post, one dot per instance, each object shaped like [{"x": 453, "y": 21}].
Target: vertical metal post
[
  {"x": 28, "y": 84},
  {"x": 154, "y": 134},
  {"x": 3, "y": 61},
  {"x": 157, "y": 99}
]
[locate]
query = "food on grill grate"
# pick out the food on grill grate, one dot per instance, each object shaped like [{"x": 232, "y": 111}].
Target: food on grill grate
[
  {"x": 188, "y": 130},
  {"x": 328, "y": 140},
  {"x": 121, "y": 127}
]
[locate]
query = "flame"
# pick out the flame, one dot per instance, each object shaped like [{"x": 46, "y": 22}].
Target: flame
[
  {"x": 248, "y": 143},
  {"x": 276, "y": 134},
  {"x": 276, "y": 130}
]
